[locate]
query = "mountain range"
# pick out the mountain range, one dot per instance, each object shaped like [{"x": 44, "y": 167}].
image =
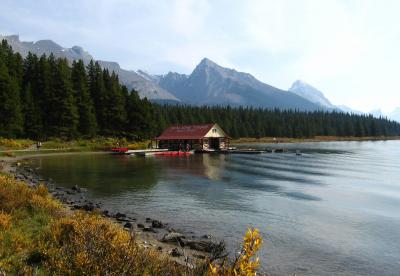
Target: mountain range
[
  {"x": 208, "y": 84},
  {"x": 212, "y": 84},
  {"x": 393, "y": 115},
  {"x": 314, "y": 95},
  {"x": 311, "y": 93},
  {"x": 129, "y": 78}
]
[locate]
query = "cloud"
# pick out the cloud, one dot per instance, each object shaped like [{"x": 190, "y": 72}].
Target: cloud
[{"x": 347, "y": 49}]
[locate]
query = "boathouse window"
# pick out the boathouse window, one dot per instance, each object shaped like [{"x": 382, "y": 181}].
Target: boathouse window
[{"x": 214, "y": 130}]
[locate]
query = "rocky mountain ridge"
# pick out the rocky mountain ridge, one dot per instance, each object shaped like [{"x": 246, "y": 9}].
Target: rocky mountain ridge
[{"x": 131, "y": 79}]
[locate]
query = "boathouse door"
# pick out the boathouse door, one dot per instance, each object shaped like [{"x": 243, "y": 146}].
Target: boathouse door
[{"x": 214, "y": 143}]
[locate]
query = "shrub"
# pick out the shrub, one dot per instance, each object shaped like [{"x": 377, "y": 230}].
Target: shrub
[
  {"x": 15, "y": 194},
  {"x": 138, "y": 145},
  {"x": 245, "y": 263},
  {"x": 8, "y": 154},
  {"x": 36, "y": 232},
  {"x": 88, "y": 244},
  {"x": 5, "y": 221},
  {"x": 15, "y": 143}
]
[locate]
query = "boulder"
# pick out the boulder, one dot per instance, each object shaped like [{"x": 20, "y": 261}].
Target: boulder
[
  {"x": 157, "y": 224},
  {"x": 174, "y": 237},
  {"x": 199, "y": 245},
  {"x": 119, "y": 215},
  {"x": 87, "y": 207},
  {"x": 149, "y": 229},
  {"x": 139, "y": 225},
  {"x": 175, "y": 252},
  {"x": 128, "y": 225}
]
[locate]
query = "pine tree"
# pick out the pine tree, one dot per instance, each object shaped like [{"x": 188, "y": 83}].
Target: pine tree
[
  {"x": 11, "y": 122},
  {"x": 98, "y": 94},
  {"x": 115, "y": 119},
  {"x": 64, "y": 115},
  {"x": 135, "y": 116},
  {"x": 59, "y": 102},
  {"x": 32, "y": 124},
  {"x": 87, "y": 125}
]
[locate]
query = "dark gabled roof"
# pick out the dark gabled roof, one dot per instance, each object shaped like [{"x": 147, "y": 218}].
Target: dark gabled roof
[{"x": 186, "y": 132}]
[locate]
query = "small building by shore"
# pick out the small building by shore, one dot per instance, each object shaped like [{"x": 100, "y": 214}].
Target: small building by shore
[{"x": 205, "y": 137}]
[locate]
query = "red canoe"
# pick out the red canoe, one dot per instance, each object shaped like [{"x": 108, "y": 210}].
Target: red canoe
[
  {"x": 173, "y": 153},
  {"x": 119, "y": 150}
]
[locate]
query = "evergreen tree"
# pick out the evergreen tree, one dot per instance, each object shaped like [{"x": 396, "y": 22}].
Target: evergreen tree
[
  {"x": 98, "y": 94},
  {"x": 87, "y": 125},
  {"x": 32, "y": 122},
  {"x": 58, "y": 101},
  {"x": 64, "y": 115},
  {"x": 11, "y": 124},
  {"x": 115, "y": 105}
]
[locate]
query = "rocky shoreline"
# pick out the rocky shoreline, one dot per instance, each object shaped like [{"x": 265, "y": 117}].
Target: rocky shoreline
[{"x": 185, "y": 248}]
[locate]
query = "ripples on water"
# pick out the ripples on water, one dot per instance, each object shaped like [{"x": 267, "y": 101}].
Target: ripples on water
[{"x": 335, "y": 209}]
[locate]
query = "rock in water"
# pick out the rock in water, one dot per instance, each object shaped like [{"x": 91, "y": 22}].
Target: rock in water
[
  {"x": 157, "y": 224},
  {"x": 128, "y": 225}
]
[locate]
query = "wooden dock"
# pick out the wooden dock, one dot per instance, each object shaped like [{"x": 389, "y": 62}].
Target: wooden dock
[
  {"x": 235, "y": 151},
  {"x": 164, "y": 153},
  {"x": 246, "y": 151},
  {"x": 144, "y": 151}
]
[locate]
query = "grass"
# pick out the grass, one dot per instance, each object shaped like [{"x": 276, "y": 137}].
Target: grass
[
  {"x": 38, "y": 236},
  {"x": 12, "y": 147},
  {"x": 14, "y": 144}
]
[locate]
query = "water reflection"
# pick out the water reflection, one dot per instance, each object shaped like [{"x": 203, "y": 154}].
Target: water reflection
[
  {"x": 98, "y": 174},
  {"x": 201, "y": 165},
  {"x": 333, "y": 210}
]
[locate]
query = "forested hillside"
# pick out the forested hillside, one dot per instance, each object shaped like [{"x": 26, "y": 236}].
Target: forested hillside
[
  {"x": 253, "y": 122},
  {"x": 44, "y": 97}
]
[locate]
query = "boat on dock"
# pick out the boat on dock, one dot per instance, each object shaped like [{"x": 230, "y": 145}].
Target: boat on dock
[
  {"x": 119, "y": 150},
  {"x": 140, "y": 151},
  {"x": 164, "y": 153}
]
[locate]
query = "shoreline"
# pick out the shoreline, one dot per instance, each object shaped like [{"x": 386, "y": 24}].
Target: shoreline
[
  {"x": 280, "y": 140},
  {"x": 185, "y": 248}
]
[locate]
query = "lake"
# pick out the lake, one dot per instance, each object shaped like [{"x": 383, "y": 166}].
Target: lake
[{"x": 335, "y": 209}]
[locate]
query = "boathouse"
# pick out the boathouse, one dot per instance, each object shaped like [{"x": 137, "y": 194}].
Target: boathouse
[{"x": 206, "y": 137}]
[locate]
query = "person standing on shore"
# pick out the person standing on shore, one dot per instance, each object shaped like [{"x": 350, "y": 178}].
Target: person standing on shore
[{"x": 38, "y": 145}]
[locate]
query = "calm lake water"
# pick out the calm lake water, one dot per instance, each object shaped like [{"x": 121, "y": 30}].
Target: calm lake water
[{"x": 334, "y": 210}]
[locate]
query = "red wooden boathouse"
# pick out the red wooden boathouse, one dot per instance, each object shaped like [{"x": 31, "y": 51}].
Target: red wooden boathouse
[{"x": 205, "y": 137}]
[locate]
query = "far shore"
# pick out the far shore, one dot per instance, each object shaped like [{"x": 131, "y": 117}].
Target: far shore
[
  {"x": 251, "y": 140},
  {"x": 27, "y": 148}
]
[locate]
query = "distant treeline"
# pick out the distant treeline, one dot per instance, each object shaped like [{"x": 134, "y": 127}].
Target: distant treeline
[
  {"x": 44, "y": 97},
  {"x": 258, "y": 122}
]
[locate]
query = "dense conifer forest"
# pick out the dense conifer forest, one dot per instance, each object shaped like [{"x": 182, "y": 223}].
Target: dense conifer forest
[{"x": 47, "y": 97}]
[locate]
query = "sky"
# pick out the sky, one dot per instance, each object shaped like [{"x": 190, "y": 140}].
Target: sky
[{"x": 348, "y": 49}]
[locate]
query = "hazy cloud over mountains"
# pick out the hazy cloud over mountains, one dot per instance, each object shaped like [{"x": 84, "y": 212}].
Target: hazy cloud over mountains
[{"x": 347, "y": 48}]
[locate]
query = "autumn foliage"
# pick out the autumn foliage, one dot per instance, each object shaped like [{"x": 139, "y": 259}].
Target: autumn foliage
[
  {"x": 246, "y": 263},
  {"x": 39, "y": 236},
  {"x": 87, "y": 244}
]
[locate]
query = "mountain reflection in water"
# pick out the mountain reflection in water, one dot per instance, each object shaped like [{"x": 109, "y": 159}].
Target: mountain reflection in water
[{"x": 335, "y": 209}]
